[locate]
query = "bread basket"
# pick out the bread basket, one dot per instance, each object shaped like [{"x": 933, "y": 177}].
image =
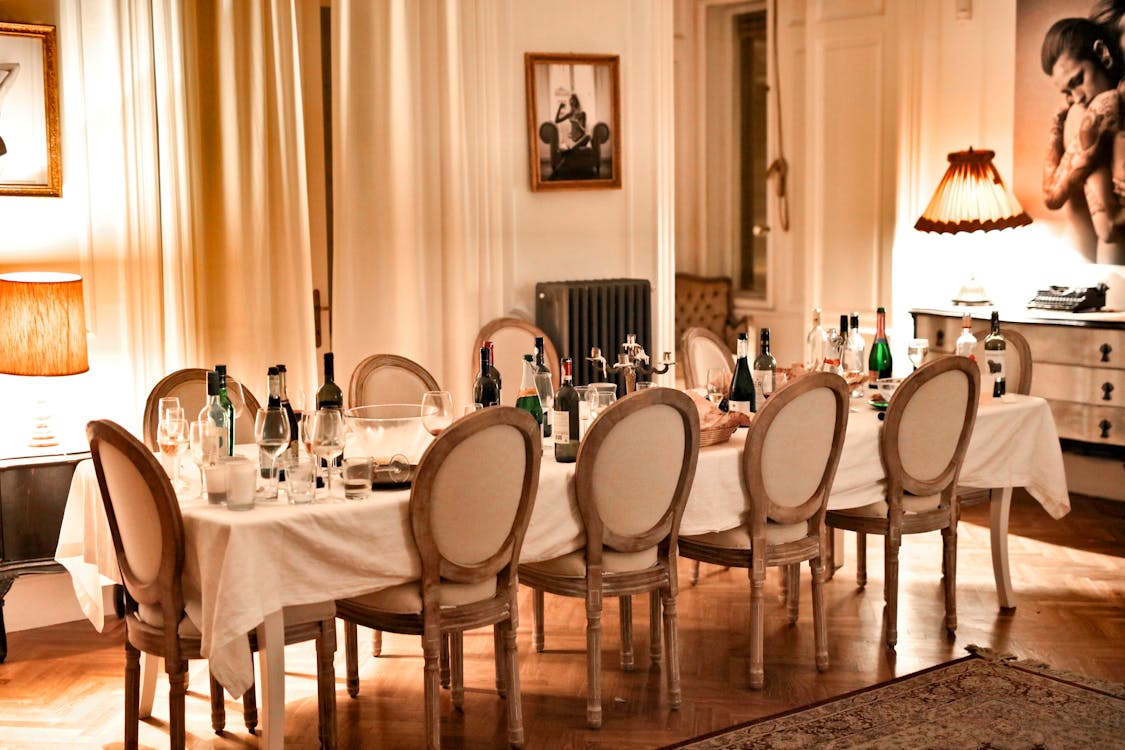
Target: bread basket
[{"x": 715, "y": 435}]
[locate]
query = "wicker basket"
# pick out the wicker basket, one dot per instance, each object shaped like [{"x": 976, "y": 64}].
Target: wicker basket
[{"x": 715, "y": 435}]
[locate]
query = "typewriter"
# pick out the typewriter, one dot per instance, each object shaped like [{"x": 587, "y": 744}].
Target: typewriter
[{"x": 1070, "y": 299}]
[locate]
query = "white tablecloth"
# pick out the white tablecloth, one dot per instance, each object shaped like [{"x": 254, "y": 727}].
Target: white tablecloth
[{"x": 242, "y": 566}]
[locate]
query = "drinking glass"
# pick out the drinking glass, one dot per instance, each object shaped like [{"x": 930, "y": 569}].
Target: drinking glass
[
  {"x": 205, "y": 440},
  {"x": 437, "y": 411},
  {"x": 172, "y": 439},
  {"x": 237, "y": 399},
  {"x": 300, "y": 481},
  {"x": 271, "y": 433},
  {"x": 917, "y": 350},
  {"x": 599, "y": 400},
  {"x": 357, "y": 477},
  {"x": 304, "y": 429},
  {"x": 718, "y": 381},
  {"x": 328, "y": 433},
  {"x": 470, "y": 408}
]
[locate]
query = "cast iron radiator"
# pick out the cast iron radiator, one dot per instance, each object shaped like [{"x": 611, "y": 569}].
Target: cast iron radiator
[{"x": 578, "y": 315}]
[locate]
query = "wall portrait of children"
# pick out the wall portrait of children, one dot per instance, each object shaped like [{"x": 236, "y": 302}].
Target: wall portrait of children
[
  {"x": 30, "y": 155},
  {"x": 1070, "y": 122}
]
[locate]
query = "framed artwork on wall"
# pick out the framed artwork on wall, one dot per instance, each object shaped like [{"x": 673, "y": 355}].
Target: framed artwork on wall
[
  {"x": 573, "y": 121},
  {"x": 1069, "y": 135},
  {"x": 30, "y": 152}
]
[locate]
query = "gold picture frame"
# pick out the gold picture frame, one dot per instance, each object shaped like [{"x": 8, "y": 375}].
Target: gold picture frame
[
  {"x": 30, "y": 151},
  {"x": 573, "y": 121}
]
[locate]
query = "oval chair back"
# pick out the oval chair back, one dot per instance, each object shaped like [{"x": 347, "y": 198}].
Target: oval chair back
[
  {"x": 389, "y": 379},
  {"x": 190, "y": 386}
]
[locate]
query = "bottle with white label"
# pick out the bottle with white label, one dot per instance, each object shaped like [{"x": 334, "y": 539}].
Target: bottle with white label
[
  {"x": 741, "y": 398},
  {"x": 765, "y": 370},
  {"x": 995, "y": 351},
  {"x": 966, "y": 342},
  {"x": 564, "y": 417}
]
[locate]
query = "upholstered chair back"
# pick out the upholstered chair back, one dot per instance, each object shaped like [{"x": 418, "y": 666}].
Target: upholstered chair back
[
  {"x": 389, "y": 379},
  {"x": 190, "y": 386},
  {"x": 635, "y": 469},
  {"x": 794, "y": 448},
  {"x": 703, "y": 350},
  {"x": 929, "y": 421},
  {"x": 473, "y": 493}
]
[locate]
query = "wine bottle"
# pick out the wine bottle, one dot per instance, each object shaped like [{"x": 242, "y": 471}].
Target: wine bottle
[
  {"x": 226, "y": 402},
  {"x": 855, "y": 354},
  {"x": 815, "y": 343},
  {"x": 544, "y": 386},
  {"x": 995, "y": 349},
  {"x": 966, "y": 342},
  {"x": 290, "y": 454},
  {"x": 564, "y": 416},
  {"x": 486, "y": 391},
  {"x": 329, "y": 395},
  {"x": 528, "y": 397},
  {"x": 492, "y": 371},
  {"x": 741, "y": 398},
  {"x": 215, "y": 413},
  {"x": 879, "y": 364},
  {"x": 765, "y": 370},
  {"x": 265, "y": 460}
]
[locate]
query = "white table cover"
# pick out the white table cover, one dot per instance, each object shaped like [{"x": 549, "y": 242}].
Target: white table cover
[{"x": 242, "y": 566}]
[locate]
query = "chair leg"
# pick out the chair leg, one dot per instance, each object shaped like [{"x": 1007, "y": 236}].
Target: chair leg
[
  {"x": 444, "y": 660},
  {"x": 654, "y": 629},
  {"x": 326, "y": 683},
  {"x": 132, "y": 695},
  {"x": 218, "y": 707},
  {"x": 594, "y": 659},
  {"x": 890, "y": 588},
  {"x": 860, "y": 559},
  {"x": 250, "y": 706},
  {"x": 177, "y": 690},
  {"x": 793, "y": 573},
  {"x": 351, "y": 657},
  {"x": 376, "y": 642},
  {"x": 626, "y": 607},
  {"x": 537, "y": 616},
  {"x": 457, "y": 668},
  {"x": 511, "y": 659},
  {"x": 498, "y": 655},
  {"x": 783, "y": 584},
  {"x": 431, "y": 649},
  {"x": 672, "y": 645},
  {"x": 820, "y": 625},
  {"x": 949, "y": 564},
  {"x": 757, "y": 573},
  {"x": 695, "y": 573}
]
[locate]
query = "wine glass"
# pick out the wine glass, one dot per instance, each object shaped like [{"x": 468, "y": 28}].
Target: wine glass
[
  {"x": 205, "y": 440},
  {"x": 328, "y": 433},
  {"x": 237, "y": 399},
  {"x": 917, "y": 350},
  {"x": 599, "y": 400},
  {"x": 470, "y": 408},
  {"x": 437, "y": 411},
  {"x": 166, "y": 404},
  {"x": 271, "y": 433},
  {"x": 172, "y": 439},
  {"x": 717, "y": 384},
  {"x": 304, "y": 428}
]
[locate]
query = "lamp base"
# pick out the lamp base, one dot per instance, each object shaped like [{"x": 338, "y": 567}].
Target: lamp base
[
  {"x": 972, "y": 293},
  {"x": 42, "y": 436}
]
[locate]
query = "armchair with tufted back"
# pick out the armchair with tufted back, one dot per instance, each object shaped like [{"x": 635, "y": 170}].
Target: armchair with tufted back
[
  {"x": 583, "y": 161},
  {"x": 707, "y": 302}
]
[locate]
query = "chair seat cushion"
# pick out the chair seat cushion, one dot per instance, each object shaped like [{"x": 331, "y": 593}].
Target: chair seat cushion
[
  {"x": 739, "y": 536},
  {"x": 406, "y": 598},
  {"x": 573, "y": 565},
  {"x": 152, "y": 616},
  {"x": 910, "y": 504}
]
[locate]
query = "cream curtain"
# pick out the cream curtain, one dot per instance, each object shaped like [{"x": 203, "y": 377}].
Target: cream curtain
[
  {"x": 420, "y": 181},
  {"x": 185, "y": 145}
]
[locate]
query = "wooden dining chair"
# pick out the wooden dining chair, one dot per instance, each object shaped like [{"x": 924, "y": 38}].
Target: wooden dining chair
[
  {"x": 190, "y": 386},
  {"x": 512, "y": 338},
  {"x": 148, "y": 538},
  {"x": 923, "y": 440},
  {"x": 389, "y": 379},
  {"x": 787, "y": 469},
  {"x": 703, "y": 350},
  {"x": 634, "y": 472},
  {"x": 468, "y": 526}
]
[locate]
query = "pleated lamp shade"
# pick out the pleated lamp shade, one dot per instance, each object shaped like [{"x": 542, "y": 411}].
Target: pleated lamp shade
[
  {"x": 971, "y": 196},
  {"x": 42, "y": 324}
]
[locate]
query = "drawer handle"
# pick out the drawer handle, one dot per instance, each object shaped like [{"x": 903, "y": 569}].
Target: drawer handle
[
  {"x": 1107, "y": 388},
  {"x": 1105, "y": 349},
  {"x": 1104, "y": 426}
]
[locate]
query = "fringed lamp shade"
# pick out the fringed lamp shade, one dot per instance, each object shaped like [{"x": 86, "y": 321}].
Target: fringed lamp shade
[
  {"x": 42, "y": 324},
  {"x": 971, "y": 196}
]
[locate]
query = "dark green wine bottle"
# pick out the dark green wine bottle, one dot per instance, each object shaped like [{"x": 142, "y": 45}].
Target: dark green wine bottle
[
  {"x": 742, "y": 382},
  {"x": 528, "y": 397},
  {"x": 879, "y": 362}
]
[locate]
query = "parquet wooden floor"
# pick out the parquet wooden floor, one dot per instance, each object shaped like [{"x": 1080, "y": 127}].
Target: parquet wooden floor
[{"x": 62, "y": 686}]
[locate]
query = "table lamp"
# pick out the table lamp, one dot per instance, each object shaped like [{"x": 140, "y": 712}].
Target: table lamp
[
  {"x": 971, "y": 197},
  {"x": 42, "y": 333}
]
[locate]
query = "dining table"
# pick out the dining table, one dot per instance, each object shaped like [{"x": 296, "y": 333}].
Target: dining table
[{"x": 242, "y": 568}]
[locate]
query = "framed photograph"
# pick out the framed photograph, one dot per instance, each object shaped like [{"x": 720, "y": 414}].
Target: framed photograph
[
  {"x": 1069, "y": 140},
  {"x": 573, "y": 121},
  {"x": 30, "y": 154}
]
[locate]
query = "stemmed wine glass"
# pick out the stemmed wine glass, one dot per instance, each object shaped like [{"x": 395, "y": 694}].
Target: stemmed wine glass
[
  {"x": 599, "y": 400},
  {"x": 271, "y": 433},
  {"x": 718, "y": 381},
  {"x": 328, "y": 433},
  {"x": 437, "y": 411},
  {"x": 917, "y": 350},
  {"x": 172, "y": 439},
  {"x": 237, "y": 399},
  {"x": 205, "y": 440},
  {"x": 166, "y": 405}
]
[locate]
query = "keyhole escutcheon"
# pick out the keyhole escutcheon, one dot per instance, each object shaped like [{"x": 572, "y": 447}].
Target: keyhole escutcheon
[{"x": 1104, "y": 426}]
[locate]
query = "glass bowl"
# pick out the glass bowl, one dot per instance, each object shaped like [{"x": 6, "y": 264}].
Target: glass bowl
[{"x": 384, "y": 430}]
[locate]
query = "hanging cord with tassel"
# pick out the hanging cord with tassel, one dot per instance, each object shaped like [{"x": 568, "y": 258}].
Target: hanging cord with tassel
[{"x": 779, "y": 167}]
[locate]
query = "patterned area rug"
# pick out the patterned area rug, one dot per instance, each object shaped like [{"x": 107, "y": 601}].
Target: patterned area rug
[{"x": 981, "y": 701}]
